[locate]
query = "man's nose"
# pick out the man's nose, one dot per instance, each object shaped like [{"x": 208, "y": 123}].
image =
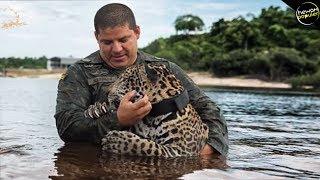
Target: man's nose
[{"x": 117, "y": 47}]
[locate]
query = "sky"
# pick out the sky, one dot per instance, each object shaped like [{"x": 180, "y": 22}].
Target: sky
[{"x": 65, "y": 28}]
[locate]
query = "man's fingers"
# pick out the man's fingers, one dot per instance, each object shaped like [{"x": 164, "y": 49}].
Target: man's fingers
[
  {"x": 141, "y": 103},
  {"x": 129, "y": 113},
  {"x": 129, "y": 95},
  {"x": 143, "y": 111}
]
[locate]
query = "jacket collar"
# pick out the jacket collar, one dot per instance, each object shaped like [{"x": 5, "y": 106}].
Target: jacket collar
[{"x": 95, "y": 58}]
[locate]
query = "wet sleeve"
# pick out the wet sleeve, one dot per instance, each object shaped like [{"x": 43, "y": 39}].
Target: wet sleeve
[
  {"x": 208, "y": 110},
  {"x": 74, "y": 97}
]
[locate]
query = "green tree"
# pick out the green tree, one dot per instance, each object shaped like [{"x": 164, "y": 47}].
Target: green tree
[
  {"x": 274, "y": 15},
  {"x": 275, "y": 23},
  {"x": 279, "y": 35},
  {"x": 241, "y": 33},
  {"x": 187, "y": 23},
  {"x": 218, "y": 27}
]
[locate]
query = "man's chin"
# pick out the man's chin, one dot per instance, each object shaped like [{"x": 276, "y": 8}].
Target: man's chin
[{"x": 119, "y": 65}]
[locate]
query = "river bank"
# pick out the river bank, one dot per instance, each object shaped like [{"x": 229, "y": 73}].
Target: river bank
[
  {"x": 203, "y": 79},
  {"x": 206, "y": 79}
]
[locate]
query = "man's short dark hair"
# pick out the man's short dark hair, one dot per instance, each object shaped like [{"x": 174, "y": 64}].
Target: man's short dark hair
[{"x": 112, "y": 15}]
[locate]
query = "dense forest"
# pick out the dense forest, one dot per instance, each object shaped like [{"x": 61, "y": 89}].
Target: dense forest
[{"x": 272, "y": 46}]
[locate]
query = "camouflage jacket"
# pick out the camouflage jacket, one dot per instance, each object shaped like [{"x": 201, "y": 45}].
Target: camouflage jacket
[{"x": 87, "y": 82}]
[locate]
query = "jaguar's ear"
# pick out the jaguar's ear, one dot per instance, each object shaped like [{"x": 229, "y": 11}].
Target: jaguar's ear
[{"x": 151, "y": 74}]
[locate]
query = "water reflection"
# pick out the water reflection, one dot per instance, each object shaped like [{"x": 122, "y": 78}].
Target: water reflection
[{"x": 75, "y": 161}]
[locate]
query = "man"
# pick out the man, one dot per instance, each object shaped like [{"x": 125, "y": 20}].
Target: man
[{"x": 82, "y": 113}]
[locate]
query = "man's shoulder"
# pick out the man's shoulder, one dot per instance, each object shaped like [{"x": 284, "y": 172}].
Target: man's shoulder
[
  {"x": 83, "y": 65},
  {"x": 151, "y": 58},
  {"x": 154, "y": 59},
  {"x": 93, "y": 58}
]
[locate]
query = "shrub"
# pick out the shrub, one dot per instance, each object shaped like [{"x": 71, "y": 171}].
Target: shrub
[
  {"x": 288, "y": 62},
  {"x": 259, "y": 65},
  {"x": 306, "y": 80},
  {"x": 234, "y": 63}
]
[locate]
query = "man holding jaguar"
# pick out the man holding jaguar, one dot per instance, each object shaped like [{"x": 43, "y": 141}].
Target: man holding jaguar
[{"x": 86, "y": 111}]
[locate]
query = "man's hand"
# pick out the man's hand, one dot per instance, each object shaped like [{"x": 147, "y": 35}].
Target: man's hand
[
  {"x": 207, "y": 150},
  {"x": 129, "y": 113}
]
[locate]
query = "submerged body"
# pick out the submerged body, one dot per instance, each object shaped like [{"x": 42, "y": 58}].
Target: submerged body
[{"x": 173, "y": 133}]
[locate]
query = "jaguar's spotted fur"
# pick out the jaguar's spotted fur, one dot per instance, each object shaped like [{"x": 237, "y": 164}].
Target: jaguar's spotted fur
[{"x": 179, "y": 133}]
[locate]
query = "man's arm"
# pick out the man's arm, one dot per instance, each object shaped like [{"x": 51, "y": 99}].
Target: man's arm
[
  {"x": 73, "y": 99},
  {"x": 208, "y": 111}
]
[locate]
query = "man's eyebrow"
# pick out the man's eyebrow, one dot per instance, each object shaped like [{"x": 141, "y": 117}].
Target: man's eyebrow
[
  {"x": 127, "y": 36},
  {"x": 105, "y": 41}
]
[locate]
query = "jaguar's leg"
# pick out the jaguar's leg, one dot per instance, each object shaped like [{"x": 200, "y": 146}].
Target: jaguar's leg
[{"x": 125, "y": 142}]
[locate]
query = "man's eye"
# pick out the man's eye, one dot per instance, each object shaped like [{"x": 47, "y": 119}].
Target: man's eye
[
  {"x": 124, "y": 40},
  {"x": 107, "y": 42}
]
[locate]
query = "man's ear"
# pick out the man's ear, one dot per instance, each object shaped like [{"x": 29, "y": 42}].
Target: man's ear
[
  {"x": 96, "y": 35},
  {"x": 137, "y": 31}
]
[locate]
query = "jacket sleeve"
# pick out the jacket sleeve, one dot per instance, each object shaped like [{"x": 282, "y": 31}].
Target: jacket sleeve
[
  {"x": 73, "y": 98},
  {"x": 209, "y": 112}
]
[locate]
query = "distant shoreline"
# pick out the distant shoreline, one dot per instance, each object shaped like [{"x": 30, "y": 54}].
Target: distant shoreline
[
  {"x": 32, "y": 73},
  {"x": 202, "y": 79}
]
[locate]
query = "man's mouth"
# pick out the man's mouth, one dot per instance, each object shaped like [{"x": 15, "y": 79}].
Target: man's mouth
[{"x": 119, "y": 57}]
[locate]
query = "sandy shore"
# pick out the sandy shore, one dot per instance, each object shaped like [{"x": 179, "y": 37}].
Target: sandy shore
[
  {"x": 33, "y": 73},
  {"x": 206, "y": 79},
  {"x": 200, "y": 78}
]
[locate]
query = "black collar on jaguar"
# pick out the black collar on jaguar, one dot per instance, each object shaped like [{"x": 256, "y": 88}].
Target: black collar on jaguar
[
  {"x": 170, "y": 105},
  {"x": 166, "y": 106}
]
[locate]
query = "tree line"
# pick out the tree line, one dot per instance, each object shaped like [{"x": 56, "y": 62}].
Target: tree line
[
  {"x": 271, "y": 45},
  {"x": 27, "y": 62}
]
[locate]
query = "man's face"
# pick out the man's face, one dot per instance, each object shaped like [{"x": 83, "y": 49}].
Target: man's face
[{"x": 118, "y": 45}]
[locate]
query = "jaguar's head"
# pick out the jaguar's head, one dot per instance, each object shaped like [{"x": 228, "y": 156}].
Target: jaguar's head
[{"x": 153, "y": 80}]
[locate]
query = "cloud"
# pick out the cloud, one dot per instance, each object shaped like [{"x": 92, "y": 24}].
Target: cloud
[{"x": 216, "y": 6}]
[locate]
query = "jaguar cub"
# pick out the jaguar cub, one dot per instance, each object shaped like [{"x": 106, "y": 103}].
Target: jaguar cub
[{"x": 172, "y": 128}]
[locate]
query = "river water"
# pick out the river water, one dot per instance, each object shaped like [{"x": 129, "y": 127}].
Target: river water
[{"x": 271, "y": 137}]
